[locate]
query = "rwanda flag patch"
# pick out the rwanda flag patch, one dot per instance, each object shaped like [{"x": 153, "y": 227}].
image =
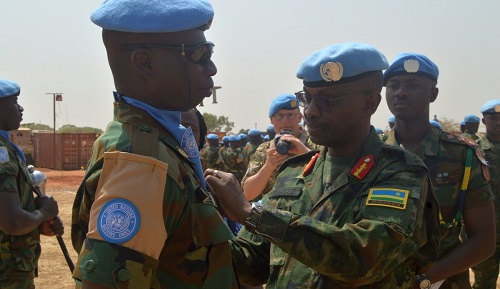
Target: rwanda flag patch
[{"x": 388, "y": 197}]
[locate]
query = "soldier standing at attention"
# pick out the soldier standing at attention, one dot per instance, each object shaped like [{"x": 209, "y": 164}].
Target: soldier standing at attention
[
  {"x": 358, "y": 213},
  {"x": 261, "y": 174},
  {"x": 210, "y": 153},
  {"x": 22, "y": 217},
  {"x": 457, "y": 171},
  {"x": 486, "y": 272},
  {"x": 144, "y": 216},
  {"x": 471, "y": 127},
  {"x": 255, "y": 140},
  {"x": 233, "y": 158}
]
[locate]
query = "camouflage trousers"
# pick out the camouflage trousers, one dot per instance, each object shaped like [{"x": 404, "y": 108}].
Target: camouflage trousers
[
  {"x": 19, "y": 280},
  {"x": 486, "y": 272}
]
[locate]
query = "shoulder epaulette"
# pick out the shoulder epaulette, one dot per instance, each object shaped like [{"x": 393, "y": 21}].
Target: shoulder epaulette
[
  {"x": 448, "y": 137},
  {"x": 299, "y": 158}
]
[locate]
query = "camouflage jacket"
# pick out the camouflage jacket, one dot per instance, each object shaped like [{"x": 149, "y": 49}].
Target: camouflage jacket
[
  {"x": 491, "y": 152},
  {"x": 232, "y": 158},
  {"x": 248, "y": 151},
  {"x": 141, "y": 219},
  {"x": 373, "y": 226},
  {"x": 445, "y": 157},
  {"x": 467, "y": 135},
  {"x": 209, "y": 156},
  {"x": 258, "y": 159},
  {"x": 18, "y": 254}
]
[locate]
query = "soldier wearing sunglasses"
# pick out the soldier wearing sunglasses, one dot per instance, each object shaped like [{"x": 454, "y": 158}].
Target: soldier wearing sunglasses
[
  {"x": 356, "y": 214},
  {"x": 144, "y": 216}
]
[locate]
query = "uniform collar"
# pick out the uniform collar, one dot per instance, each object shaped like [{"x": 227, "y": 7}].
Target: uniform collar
[{"x": 428, "y": 146}]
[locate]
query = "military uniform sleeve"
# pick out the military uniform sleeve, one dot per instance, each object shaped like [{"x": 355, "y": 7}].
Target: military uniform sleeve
[
  {"x": 257, "y": 161},
  {"x": 373, "y": 240},
  {"x": 478, "y": 192},
  {"x": 8, "y": 172}
]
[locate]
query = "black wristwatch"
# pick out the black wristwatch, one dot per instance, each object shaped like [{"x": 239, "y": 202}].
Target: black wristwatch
[
  {"x": 252, "y": 219},
  {"x": 423, "y": 281}
]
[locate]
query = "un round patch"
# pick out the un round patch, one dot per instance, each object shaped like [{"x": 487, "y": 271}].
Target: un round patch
[
  {"x": 4, "y": 155},
  {"x": 331, "y": 71},
  {"x": 411, "y": 65},
  {"x": 188, "y": 143},
  {"x": 119, "y": 221}
]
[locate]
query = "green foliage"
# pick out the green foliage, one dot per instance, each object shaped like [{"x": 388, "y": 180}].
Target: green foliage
[
  {"x": 73, "y": 128},
  {"x": 37, "y": 126},
  {"x": 245, "y": 131},
  {"x": 218, "y": 123}
]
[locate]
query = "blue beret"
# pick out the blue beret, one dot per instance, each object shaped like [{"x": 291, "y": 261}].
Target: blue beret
[
  {"x": 242, "y": 136},
  {"x": 392, "y": 119},
  {"x": 254, "y": 132},
  {"x": 212, "y": 136},
  {"x": 8, "y": 88},
  {"x": 340, "y": 63},
  {"x": 225, "y": 139},
  {"x": 270, "y": 128},
  {"x": 233, "y": 138},
  {"x": 412, "y": 63},
  {"x": 491, "y": 107},
  {"x": 462, "y": 123},
  {"x": 379, "y": 130},
  {"x": 470, "y": 118},
  {"x": 266, "y": 137},
  {"x": 436, "y": 124},
  {"x": 153, "y": 16},
  {"x": 283, "y": 101}
]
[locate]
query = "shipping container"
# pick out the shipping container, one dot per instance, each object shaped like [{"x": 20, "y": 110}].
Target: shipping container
[{"x": 72, "y": 150}]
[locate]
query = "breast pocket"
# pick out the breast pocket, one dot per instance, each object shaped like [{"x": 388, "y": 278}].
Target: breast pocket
[{"x": 287, "y": 198}]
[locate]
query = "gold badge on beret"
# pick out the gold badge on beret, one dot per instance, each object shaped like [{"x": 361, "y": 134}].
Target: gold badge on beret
[
  {"x": 293, "y": 103},
  {"x": 497, "y": 108},
  {"x": 411, "y": 65},
  {"x": 331, "y": 71}
]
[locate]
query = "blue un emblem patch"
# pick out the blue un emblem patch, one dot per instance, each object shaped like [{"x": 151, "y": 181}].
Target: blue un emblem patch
[{"x": 119, "y": 221}]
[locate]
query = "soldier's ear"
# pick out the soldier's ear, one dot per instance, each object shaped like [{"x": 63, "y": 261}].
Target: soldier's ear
[
  {"x": 434, "y": 94},
  {"x": 371, "y": 103}
]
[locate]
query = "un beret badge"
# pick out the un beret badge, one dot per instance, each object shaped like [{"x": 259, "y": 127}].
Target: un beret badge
[
  {"x": 411, "y": 65},
  {"x": 293, "y": 103},
  {"x": 331, "y": 71}
]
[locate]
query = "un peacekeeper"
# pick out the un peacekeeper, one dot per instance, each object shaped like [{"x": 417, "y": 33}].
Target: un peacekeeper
[
  {"x": 143, "y": 217},
  {"x": 224, "y": 146},
  {"x": 462, "y": 126},
  {"x": 271, "y": 133},
  {"x": 243, "y": 140},
  {"x": 22, "y": 217},
  {"x": 391, "y": 121},
  {"x": 358, "y": 213},
  {"x": 458, "y": 172},
  {"x": 233, "y": 158},
  {"x": 262, "y": 170},
  {"x": 436, "y": 124},
  {"x": 210, "y": 154},
  {"x": 255, "y": 139},
  {"x": 471, "y": 127},
  {"x": 486, "y": 272}
]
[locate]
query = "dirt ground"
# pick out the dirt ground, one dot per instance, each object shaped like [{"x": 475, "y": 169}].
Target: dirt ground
[{"x": 53, "y": 270}]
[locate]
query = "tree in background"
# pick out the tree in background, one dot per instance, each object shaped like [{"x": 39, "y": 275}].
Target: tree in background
[
  {"x": 85, "y": 129},
  {"x": 36, "y": 126},
  {"x": 218, "y": 123},
  {"x": 449, "y": 125}
]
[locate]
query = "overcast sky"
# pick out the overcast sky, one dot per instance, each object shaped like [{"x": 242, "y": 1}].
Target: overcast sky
[{"x": 52, "y": 46}]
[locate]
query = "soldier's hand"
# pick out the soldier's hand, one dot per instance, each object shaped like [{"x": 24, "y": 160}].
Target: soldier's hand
[
  {"x": 229, "y": 195},
  {"x": 298, "y": 147},
  {"x": 47, "y": 206},
  {"x": 274, "y": 159},
  {"x": 54, "y": 227}
]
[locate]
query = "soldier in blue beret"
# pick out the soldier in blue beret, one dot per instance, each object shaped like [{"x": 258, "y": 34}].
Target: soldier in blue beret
[
  {"x": 233, "y": 158},
  {"x": 255, "y": 139},
  {"x": 436, "y": 124},
  {"x": 285, "y": 116},
  {"x": 338, "y": 217},
  {"x": 486, "y": 272},
  {"x": 22, "y": 217},
  {"x": 458, "y": 172},
  {"x": 391, "y": 121},
  {"x": 471, "y": 127},
  {"x": 144, "y": 189},
  {"x": 462, "y": 126},
  {"x": 270, "y": 132}
]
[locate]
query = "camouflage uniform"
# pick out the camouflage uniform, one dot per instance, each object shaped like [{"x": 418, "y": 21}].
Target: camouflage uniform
[
  {"x": 18, "y": 254},
  {"x": 321, "y": 227},
  {"x": 486, "y": 272},
  {"x": 467, "y": 135},
  {"x": 220, "y": 160},
  {"x": 209, "y": 156},
  {"x": 248, "y": 151},
  {"x": 196, "y": 253},
  {"x": 445, "y": 157},
  {"x": 259, "y": 158},
  {"x": 232, "y": 158}
]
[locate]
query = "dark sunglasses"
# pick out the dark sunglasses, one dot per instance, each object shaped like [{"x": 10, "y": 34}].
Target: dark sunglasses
[
  {"x": 324, "y": 103},
  {"x": 198, "y": 53}
]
